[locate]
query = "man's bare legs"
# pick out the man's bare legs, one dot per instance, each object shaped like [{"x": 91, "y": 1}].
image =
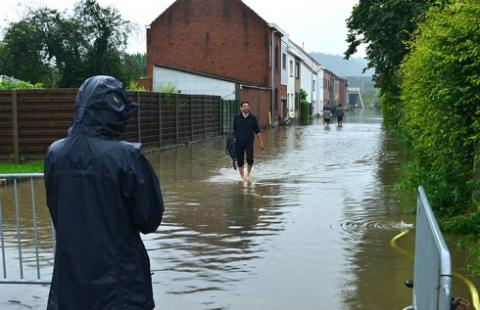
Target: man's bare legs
[
  {"x": 249, "y": 170},
  {"x": 242, "y": 172}
]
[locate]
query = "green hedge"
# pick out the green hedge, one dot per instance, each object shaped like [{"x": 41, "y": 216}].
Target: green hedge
[
  {"x": 441, "y": 105},
  {"x": 5, "y": 85}
]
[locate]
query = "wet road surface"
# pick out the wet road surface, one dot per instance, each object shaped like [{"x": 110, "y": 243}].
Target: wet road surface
[{"x": 311, "y": 231}]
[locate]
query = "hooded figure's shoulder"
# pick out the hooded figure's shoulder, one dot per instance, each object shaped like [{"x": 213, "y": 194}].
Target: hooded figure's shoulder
[
  {"x": 57, "y": 145},
  {"x": 133, "y": 149}
]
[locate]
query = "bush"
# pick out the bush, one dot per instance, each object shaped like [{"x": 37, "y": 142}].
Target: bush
[
  {"x": 441, "y": 111},
  {"x": 4, "y": 85},
  {"x": 133, "y": 86},
  {"x": 305, "y": 108}
]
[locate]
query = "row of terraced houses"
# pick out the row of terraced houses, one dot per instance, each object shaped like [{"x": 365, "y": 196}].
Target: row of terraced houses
[{"x": 224, "y": 48}]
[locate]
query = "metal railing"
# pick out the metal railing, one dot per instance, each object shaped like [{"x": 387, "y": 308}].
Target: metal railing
[
  {"x": 228, "y": 110},
  {"x": 17, "y": 235},
  {"x": 432, "y": 286}
]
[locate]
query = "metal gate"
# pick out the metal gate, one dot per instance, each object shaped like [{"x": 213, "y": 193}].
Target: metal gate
[
  {"x": 228, "y": 110},
  {"x": 27, "y": 237},
  {"x": 432, "y": 286}
]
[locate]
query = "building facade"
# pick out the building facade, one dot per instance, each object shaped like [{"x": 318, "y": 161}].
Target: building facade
[
  {"x": 224, "y": 48},
  {"x": 222, "y": 40}
]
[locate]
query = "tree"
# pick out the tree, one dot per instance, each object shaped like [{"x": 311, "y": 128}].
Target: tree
[
  {"x": 386, "y": 27},
  {"x": 63, "y": 51},
  {"x": 23, "y": 53},
  {"x": 105, "y": 34},
  {"x": 134, "y": 66},
  {"x": 63, "y": 45}
]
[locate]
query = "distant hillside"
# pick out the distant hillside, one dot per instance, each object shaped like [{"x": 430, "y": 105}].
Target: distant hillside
[{"x": 341, "y": 67}]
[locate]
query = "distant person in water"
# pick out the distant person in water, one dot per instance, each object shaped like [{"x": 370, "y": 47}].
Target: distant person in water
[
  {"x": 340, "y": 113},
  {"x": 245, "y": 127},
  {"x": 327, "y": 115}
]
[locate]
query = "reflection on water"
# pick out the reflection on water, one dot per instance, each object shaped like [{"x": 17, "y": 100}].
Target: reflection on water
[
  {"x": 311, "y": 231},
  {"x": 294, "y": 237}
]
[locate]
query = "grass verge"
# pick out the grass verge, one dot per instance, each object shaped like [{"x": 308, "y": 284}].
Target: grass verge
[{"x": 29, "y": 167}]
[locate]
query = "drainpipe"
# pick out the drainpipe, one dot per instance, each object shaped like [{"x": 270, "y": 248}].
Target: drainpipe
[{"x": 273, "y": 77}]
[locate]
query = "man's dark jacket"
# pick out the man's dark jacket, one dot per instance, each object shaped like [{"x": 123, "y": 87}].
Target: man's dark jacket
[
  {"x": 101, "y": 193},
  {"x": 245, "y": 128}
]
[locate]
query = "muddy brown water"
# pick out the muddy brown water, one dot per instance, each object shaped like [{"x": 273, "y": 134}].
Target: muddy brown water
[{"x": 311, "y": 231}]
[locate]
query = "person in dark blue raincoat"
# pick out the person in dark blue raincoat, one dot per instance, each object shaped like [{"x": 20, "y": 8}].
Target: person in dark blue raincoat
[{"x": 101, "y": 193}]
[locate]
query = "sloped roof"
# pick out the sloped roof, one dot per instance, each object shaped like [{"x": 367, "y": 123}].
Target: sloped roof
[
  {"x": 242, "y": 3},
  {"x": 5, "y": 78}
]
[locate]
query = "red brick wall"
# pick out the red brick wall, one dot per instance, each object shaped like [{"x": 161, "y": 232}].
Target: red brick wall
[
  {"x": 219, "y": 37},
  {"x": 328, "y": 96},
  {"x": 145, "y": 83},
  {"x": 282, "y": 94},
  {"x": 341, "y": 92}
]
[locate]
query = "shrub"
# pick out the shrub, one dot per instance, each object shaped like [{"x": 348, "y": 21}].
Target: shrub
[
  {"x": 5, "y": 85},
  {"x": 441, "y": 95}
]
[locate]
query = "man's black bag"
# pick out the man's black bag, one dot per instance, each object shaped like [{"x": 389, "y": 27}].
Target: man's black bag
[{"x": 230, "y": 148}]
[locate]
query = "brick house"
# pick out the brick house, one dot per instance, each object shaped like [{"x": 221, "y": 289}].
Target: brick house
[
  {"x": 341, "y": 91},
  {"x": 328, "y": 89},
  {"x": 335, "y": 90},
  {"x": 221, "y": 42}
]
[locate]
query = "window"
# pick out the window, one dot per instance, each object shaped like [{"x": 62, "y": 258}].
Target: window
[
  {"x": 313, "y": 85},
  {"x": 297, "y": 70},
  {"x": 284, "y": 61},
  {"x": 291, "y": 68}
]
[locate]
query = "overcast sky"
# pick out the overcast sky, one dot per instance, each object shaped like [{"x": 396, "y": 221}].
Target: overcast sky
[{"x": 317, "y": 24}]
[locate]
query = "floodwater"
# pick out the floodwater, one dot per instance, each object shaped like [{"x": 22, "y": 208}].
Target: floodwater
[{"x": 311, "y": 231}]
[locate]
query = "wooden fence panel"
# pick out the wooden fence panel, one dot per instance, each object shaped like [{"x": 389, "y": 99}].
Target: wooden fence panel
[
  {"x": 6, "y": 132},
  {"x": 45, "y": 115}
]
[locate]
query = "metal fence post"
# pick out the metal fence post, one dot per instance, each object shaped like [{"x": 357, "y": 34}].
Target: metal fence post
[
  {"x": 204, "y": 118},
  {"x": 222, "y": 116},
  {"x": 176, "y": 118},
  {"x": 2, "y": 242},
  {"x": 139, "y": 122},
  {"x": 230, "y": 120},
  {"x": 17, "y": 218},
  {"x": 16, "y": 151},
  {"x": 218, "y": 131},
  {"x": 191, "y": 118},
  {"x": 35, "y": 228},
  {"x": 159, "y": 119}
]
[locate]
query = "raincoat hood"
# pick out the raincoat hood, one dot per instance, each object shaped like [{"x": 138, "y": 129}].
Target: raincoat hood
[{"x": 101, "y": 108}]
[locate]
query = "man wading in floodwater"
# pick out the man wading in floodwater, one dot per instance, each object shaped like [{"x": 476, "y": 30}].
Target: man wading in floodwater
[{"x": 245, "y": 127}]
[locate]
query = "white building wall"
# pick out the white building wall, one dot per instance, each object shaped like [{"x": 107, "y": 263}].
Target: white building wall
[
  {"x": 314, "y": 98},
  {"x": 320, "y": 76},
  {"x": 192, "y": 84},
  {"x": 311, "y": 71},
  {"x": 291, "y": 85},
  {"x": 306, "y": 78}
]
